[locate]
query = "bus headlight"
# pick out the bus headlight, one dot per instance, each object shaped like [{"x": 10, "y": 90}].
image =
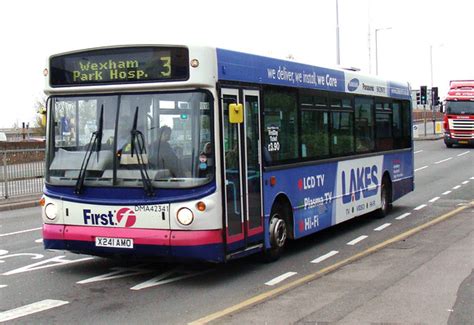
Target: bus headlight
[
  {"x": 185, "y": 216},
  {"x": 51, "y": 211}
]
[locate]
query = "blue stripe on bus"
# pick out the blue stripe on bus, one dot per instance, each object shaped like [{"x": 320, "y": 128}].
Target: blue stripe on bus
[
  {"x": 243, "y": 67},
  {"x": 398, "y": 90},
  {"x": 131, "y": 195}
]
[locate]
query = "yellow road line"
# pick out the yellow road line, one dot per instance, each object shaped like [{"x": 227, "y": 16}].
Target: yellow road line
[{"x": 310, "y": 277}]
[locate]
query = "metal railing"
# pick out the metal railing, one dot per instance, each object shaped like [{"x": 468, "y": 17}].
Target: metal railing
[{"x": 22, "y": 172}]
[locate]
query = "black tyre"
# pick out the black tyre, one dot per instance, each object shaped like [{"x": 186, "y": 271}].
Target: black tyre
[
  {"x": 385, "y": 198},
  {"x": 449, "y": 145}
]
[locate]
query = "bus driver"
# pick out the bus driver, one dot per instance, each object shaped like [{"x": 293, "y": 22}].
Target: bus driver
[{"x": 162, "y": 155}]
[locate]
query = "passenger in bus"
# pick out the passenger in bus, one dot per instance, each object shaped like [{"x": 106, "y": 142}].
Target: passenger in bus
[
  {"x": 206, "y": 160},
  {"x": 163, "y": 156},
  {"x": 232, "y": 158},
  {"x": 207, "y": 150}
]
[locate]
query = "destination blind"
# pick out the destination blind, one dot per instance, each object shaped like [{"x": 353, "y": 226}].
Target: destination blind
[{"x": 120, "y": 65}]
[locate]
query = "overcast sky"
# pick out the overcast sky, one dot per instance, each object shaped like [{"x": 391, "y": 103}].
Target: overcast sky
[{"x": 30, "y": 31}]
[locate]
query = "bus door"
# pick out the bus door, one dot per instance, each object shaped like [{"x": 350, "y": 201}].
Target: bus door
[{"x": 242, "y": 177}]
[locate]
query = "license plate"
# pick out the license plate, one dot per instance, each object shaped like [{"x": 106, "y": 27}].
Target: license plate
[
  {"x": 113, "y": 242},
  {"x": 463, "y": 142}
]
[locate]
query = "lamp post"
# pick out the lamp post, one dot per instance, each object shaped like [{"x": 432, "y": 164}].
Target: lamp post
[
  {"x": 338, "y": 51},
  {"x": 431, "y": 80},
  {"x": 376, "y": 49},
  {"x": 431, "y": 64}
]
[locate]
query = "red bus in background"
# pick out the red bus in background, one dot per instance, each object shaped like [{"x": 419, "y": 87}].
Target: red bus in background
[{"x": 459, "y": 114}]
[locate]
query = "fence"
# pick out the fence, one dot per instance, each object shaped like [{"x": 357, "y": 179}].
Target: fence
[{"x": 22, "y": 172}]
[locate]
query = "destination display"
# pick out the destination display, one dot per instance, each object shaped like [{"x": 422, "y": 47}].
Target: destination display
[{"x": 120, "y": 65}]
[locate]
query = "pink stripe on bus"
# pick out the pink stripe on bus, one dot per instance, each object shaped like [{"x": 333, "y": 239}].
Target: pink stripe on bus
[
  {"x": 196, "y": 237},
  {"x": 53, "y": 232},
  {"x": 140, "y": 236}
]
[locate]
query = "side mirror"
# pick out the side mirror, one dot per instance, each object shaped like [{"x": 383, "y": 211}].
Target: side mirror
[{"x": 236, "y": 113}]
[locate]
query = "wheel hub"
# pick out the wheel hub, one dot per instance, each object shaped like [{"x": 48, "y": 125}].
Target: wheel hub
[{"x": 278, "y": 232}]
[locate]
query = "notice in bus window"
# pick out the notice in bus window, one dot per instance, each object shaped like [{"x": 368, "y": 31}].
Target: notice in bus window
[{"x": 274, "y": 144}]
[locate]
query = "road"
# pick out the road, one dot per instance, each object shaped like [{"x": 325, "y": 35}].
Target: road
[{"x": 67, "y": 288}]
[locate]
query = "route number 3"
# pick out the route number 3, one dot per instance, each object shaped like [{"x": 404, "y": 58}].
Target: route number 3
[{"x": 166, "y": 65}]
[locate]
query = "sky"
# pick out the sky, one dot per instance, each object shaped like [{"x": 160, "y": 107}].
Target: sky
[{"x": 408, "y": 30}]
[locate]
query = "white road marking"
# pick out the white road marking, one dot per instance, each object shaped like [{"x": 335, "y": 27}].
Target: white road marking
[
  {"x": 55, "y": 261},
  {"x": 472, "y": 177},
  {"x": 34, "y": 256},
  {"x": 117, "y": 273},
  {"x": 421, "y": 168},
  {"x": 446, "y": 193},
  {"x": 418, "y": 151},
  {"x": 358, "y": 239},
  {"x": 465, "y": 182},
  {"x": 382, "y": 227},
  {"x": 19, "y": 232},
  {"x": 280, "y": 278},
  {"x": 167, "y": 277},
  {"x": 39, "y": 241},
  {"x": 324, "y": 257},
  {"x": 434, "y": 199},
  {"x": 444, "y": 160},
  {"x": 420, "y": 207},
  {"x": 456, "y": 187},
  {"x": 403, "y": 216},
  {"x": 464, "y": 153},
  {"x": 3, "y": 286},
  {"x": 33, "y": 308}
]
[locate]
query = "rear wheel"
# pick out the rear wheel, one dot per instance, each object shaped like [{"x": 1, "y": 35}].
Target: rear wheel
[{"x": 385, "y": 198}]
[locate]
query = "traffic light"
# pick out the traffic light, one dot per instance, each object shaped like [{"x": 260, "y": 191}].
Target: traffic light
[
  {"x": 434, "y": 96},
  {"x": 423, "y": 95},
  {"x": 418, "y": 98}
]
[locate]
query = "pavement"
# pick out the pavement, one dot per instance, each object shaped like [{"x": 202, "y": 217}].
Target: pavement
[
  {"x": 425, "y": 278},
  {"x": 20, "y": 202},
  {"x": 428, "y": 137}
]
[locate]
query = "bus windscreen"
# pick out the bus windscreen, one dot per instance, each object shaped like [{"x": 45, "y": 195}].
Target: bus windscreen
[{"x": 120, "y": 65}]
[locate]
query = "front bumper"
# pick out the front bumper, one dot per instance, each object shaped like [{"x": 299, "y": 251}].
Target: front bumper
[
  {"x": 448, "y": 139},
  {"x": 206, "y": 245}
]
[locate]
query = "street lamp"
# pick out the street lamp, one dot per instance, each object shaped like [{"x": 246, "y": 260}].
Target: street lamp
[
  {"x": 376, "y": 49},
  {"x": 338, "y": 51}
]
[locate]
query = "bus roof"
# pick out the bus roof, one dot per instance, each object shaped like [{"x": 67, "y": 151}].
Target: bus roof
[{"x": 243, "y": 67}]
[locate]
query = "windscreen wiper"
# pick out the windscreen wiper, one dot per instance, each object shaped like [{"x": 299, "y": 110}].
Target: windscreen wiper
[
  {"x": 96, "y": 139},
  {"x": 138, "y": 147}
]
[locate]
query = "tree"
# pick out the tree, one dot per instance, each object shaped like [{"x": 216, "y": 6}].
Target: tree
[{"x": 40, "y": 111}]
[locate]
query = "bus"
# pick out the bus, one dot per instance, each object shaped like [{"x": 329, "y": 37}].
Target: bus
[
  {"x": 200, "y": 153},
  {"x": 458, "y": 120}
]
